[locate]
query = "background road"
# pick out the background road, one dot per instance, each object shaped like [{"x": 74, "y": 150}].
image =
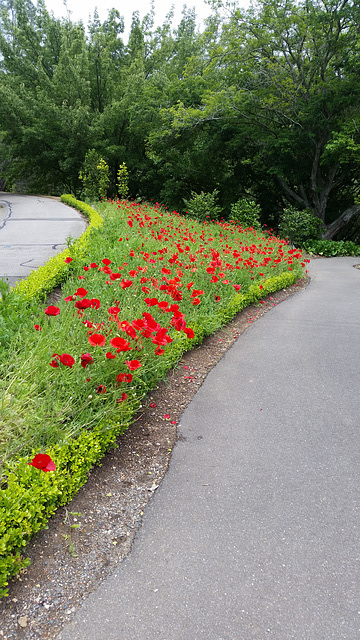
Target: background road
[
  {"x": 32, "y": 230},
  {"x": 254, "y": 532}
]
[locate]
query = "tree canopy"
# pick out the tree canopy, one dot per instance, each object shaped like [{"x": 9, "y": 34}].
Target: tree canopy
[{"x": 261, "y": 104}]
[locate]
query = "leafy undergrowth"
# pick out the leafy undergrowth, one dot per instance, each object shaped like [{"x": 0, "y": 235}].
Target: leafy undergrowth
[
  {"x": 331, "y": 248},
  {"x": 154, "y": 285}
]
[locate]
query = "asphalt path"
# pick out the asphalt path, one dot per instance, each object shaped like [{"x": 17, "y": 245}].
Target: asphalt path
[
  {"x": 254, "y": 531},
  {"x": 32, "y": 230}
]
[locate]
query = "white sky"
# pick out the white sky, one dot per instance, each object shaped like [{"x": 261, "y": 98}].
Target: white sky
[{"x": 81, "y": 9}]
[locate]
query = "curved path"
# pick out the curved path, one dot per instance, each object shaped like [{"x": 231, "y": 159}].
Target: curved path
[
  {"x": 32, "y": 230},
  {"x": 254, "y": 532}
]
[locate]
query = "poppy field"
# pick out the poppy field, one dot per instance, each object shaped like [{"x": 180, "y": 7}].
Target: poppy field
[
  {"x": 152, "y": 279},
  {"x": 152, "y": 286}
]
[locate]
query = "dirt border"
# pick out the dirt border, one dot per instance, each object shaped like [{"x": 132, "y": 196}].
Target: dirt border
[{"x": 69, "y": 563}]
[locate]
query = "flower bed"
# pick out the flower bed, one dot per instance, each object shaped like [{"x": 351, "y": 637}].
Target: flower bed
[{"x": 153, "y": 285}]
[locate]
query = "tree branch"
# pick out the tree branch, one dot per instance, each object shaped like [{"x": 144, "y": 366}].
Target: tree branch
[
  {"x": 340, "y": 222},
  {"x": 292, "y": 193}
]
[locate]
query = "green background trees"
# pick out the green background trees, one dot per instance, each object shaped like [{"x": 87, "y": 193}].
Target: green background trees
[{"x": 262, "y": 104}]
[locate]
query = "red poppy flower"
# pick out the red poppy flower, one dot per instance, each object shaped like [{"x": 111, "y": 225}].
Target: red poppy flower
[
  {"x": 69, "y": 298},
  {"x": 106, "y": 262},
  {"x": 133, "y": 364},
  {"x": 151, "y": 302},
  {"x": 189, "y": 332},
  {"x": 97, "y": 339},
  {"x": 159, "y": 351},
  {"x": 237, "y": 287},
  {"x": 217, "y": 298},
  {"x": 113, "y": 311},
  {"x": 161, "y": 338},
  {"x": 124, "y": 376},
  {"x": 68, "y": 260},
  {"x": 195, "y": 301},
  {"x": 153, "y": 405},
  {"x": 52, "y": 310},
  {"x": 125, "y": 284},
  {"x": 179, "y": 323},
  {"x": 123, "y": 398},
  {"x": 81, "y": 292},
  {"x": 120, "y": 344},
  {"x": 93, "y": 265},
  {"x": 54, "y": 363},
  {"x": 95, "y": 303},
  {"x": 130, "y": 332},
  {"x": 85, "y": 303},
  {"x": 37, "y": 327},
  {"x": 110, "y": 356},
  {"x": 151, "y": 323},
  {"x": 67, "y": 360},
  {"x": 86, "y": 359},
  {"x": 176, "y": 295},
  {"x": 101, "y": 389},
  {"x": 43, "y": 462}
]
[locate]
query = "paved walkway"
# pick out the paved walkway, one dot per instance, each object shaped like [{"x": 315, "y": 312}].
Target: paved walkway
[
  {"x": 254, "y": 532},
  {"x": 32, "y": 230}
]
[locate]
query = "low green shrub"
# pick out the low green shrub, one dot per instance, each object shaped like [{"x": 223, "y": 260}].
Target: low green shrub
[
  {"x": 246, "y": 213},
  {"x": 299, "y": 226},
  {"x": 94, "y": 175},
  {"x": 332, "y": 248},
  {"x": 202, "y": 206},
  {"x": 122, "y": 182}
]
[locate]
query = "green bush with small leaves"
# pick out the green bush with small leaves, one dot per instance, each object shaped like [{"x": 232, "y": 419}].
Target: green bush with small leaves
[
  {"x": 95, "y": 176},
  {"x": 122, "y": 181},
  {"x": 202, "y": 206},
  {"x": 299, "y": 226},
  {"x": 246, "y": 213},
  {"x": 103, "y": 178}
]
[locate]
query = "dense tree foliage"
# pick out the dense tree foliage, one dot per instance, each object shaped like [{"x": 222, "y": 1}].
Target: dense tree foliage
[{"x": 263, "y": 104}]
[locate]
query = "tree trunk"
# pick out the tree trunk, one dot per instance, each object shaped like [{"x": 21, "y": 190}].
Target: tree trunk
[{"x": 340, "y": 222}]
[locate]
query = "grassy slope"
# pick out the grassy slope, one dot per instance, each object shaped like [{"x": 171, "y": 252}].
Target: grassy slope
[{"x": 188, "y": 279}]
